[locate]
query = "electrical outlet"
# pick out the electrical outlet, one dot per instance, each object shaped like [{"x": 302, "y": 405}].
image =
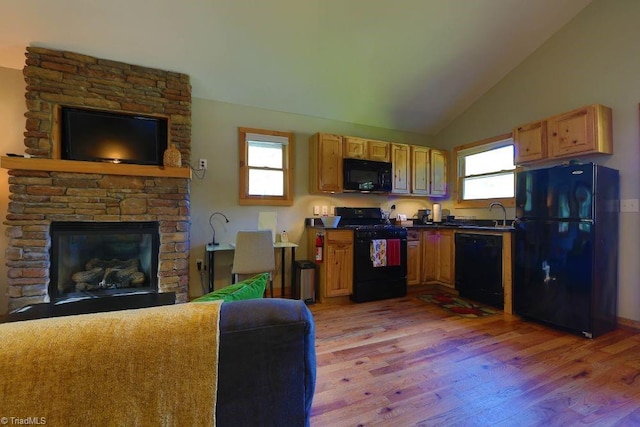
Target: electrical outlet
[
  {"x": 316, "y": 210},
  {"x": 202, "y": 164},
  {"x": 630, "y": 205},
  {"x": 325, "y": 210},
  {"x": 199, "y": 264}
]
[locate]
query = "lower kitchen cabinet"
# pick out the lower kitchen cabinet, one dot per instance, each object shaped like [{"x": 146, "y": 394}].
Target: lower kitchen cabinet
[
  {"x": 414, "y": 257},
  {"x": 335, "y": 271},
  {"x": 438, "y": 252}
]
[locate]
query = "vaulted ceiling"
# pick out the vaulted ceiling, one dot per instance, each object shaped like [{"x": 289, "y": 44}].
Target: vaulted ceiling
[{"x": 410, "y": 65}]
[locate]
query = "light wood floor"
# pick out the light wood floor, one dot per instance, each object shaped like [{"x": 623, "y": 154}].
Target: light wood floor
[{"x": 405, "y": 362}]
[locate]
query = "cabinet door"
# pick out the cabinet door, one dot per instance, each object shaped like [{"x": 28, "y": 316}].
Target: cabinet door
[
  {"x": 420, "y": 175},
  {"x": 326, "y": 167},
  {"x": 400, "y": 165},
  {"x": 355, "y": 148},
  {"x": 413, "y": 262},
  {"x": 438, "y": 174},
  {"x": 339, "y": 277},
  {"x": 530, "y": 142},
  {"x": 378, "y": 151},
  {"x": 445, "y": 267},
  {"x": 429, "y": 255},
  {"x": 581, "y": 131}
]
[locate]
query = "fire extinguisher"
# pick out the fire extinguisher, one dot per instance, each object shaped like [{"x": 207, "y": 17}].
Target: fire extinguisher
[{"x": 319, "y": 245}]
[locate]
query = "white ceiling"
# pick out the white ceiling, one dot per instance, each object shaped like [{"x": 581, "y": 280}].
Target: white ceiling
[{"x": 410, "y": 65}]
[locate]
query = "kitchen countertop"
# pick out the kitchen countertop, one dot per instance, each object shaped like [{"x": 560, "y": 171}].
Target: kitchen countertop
[
  {"x": 445, "y": 226},
  {"x": 463, "y": 227}
]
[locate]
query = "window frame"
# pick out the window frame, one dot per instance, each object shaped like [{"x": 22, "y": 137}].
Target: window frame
[
  {"x": 490, "y": 144},
  {"x": 287, "y": 168}
]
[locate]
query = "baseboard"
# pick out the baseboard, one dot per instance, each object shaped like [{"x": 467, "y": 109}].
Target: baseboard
[{"x": 628, "y": 324}]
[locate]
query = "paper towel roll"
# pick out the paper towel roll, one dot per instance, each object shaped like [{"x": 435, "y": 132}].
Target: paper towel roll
[{"x": 437, "y": 212}]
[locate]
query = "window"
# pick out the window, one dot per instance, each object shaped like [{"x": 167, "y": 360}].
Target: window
[
  {"x": 486, "y": 171},
  {"x": 266, "y": 167}
]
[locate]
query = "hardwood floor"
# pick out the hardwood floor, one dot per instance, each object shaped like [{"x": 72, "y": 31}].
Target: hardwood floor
[{"x": 405, "y": 362}]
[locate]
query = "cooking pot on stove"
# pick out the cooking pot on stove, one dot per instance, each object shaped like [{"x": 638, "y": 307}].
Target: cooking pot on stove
[{"x": 423, "y": 216}]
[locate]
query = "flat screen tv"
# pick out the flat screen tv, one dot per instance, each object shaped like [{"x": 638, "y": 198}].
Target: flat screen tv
[{"x": 102, "y": 136}]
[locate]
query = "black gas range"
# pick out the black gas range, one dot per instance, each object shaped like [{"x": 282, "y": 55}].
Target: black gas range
[{"x": 379, "y": 255}]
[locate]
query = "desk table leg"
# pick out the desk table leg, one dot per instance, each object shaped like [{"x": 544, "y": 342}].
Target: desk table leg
[
  {"x": 283, "y": 255},
  {"x": 211, "y": 271},
  {"x": 293, "y": 269}
]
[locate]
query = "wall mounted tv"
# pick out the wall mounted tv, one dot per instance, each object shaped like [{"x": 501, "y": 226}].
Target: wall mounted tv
[{"x": 102, "y": 136}]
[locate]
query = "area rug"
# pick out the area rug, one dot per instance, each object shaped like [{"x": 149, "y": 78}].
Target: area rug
[{"x": 459, "y": 306}]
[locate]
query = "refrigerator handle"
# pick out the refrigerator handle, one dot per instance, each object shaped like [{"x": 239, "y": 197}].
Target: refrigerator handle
[{"x": 547, "y": 269}]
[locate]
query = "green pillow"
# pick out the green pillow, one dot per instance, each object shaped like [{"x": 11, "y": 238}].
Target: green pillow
[{"x": 247, "y": 289}]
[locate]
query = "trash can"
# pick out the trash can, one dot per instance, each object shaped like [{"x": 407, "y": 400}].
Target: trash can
[{"x": 305, "y": 285}]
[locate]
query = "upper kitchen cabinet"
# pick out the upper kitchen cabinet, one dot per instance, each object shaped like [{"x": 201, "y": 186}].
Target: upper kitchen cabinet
[
  {"x": 530, "y": 141},
  {"x": 325, "y": 163},
  {"x": 379, "y": 150},
  {"x": 429, "y": 171},
  {"x": 355, "y": 148},
  {"x": 400, "y": 160},
  {"x": 420, "y": 170},
  {"x": 586, "y": 130},
  {"x": 361, "y": 148},
  {"x": 439, "y": 160},
  {"x": 582, "y": 131}
]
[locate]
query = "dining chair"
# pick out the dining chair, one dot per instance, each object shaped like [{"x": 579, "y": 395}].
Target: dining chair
[{"x": 254, "y": 253}]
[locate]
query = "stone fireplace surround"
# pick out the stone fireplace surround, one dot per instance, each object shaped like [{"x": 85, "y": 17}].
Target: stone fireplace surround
[{"x": 42, "y": 191}]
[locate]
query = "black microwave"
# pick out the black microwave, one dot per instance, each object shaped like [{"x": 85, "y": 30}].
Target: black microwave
[{"x": 366, "y": 176}]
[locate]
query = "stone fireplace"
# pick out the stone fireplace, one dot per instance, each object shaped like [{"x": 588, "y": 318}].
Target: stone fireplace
[{"x": 45, "y": 189}]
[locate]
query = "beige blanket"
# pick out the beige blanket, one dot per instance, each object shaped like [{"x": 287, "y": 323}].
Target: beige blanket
[{"x": 147, "y": 367}]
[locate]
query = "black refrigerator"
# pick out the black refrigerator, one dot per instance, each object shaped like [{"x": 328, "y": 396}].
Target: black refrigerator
[{"x": 566, "y": 247}]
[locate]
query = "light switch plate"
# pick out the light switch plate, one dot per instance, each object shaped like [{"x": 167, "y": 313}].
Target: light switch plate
[
  {"x": 630, "y": 205},
  {"x": 325, "y": 210},
  {"x": 316, "y": 210}
]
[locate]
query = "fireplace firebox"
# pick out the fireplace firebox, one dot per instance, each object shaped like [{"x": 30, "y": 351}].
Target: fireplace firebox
[{"x": 94, "y": 259}]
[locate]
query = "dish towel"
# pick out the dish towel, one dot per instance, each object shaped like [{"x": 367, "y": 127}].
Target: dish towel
[
  {"x": 393, "y": 252},
  {"x": 378, "y": 252}
]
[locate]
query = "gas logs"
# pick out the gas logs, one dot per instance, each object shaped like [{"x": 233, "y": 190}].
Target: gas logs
[{"x": 109, "y": 274}]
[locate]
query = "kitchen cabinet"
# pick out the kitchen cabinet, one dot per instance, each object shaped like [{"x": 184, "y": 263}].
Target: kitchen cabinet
[
  {"x": 429, "y": 171},
  {"x": 439, "y": 161},
  {"x": 368, "y": 149},
  {"x": 400, "y": 157},
  {"x": 420, "y": 170},
  {"x": 586, "y": 130},
  {"x": 379, "y": 151},
  {"x": 438, "y": 252},
  {"x": 325, "y": 163},
  {"x": 355, "y": 148},
  {"x": 530, "y": 142},
  {"x": 335, "y": 272},
  {"x": 414, "y": 257},
  {"x": 582, "y": 131}
]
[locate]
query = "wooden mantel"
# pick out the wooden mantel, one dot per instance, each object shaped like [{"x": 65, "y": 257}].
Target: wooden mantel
[{"x": 75, "y": 166}]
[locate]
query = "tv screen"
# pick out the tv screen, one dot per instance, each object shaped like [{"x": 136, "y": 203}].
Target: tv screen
[{"x": 112, "y": 137}]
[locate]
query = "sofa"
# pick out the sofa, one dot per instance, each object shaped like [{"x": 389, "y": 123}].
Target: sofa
[{"x": 266, "y": 362}]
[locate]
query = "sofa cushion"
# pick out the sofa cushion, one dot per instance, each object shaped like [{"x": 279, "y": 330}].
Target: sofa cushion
[{"x": 251, "y": 288}]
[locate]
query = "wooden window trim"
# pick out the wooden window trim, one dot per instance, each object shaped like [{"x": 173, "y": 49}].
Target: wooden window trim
[
  {"x": 243, "y": 149},
  {"x": 479, "y": 203}
]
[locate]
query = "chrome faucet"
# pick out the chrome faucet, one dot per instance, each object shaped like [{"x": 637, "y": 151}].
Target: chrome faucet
[{"x": 504, "y": 211}]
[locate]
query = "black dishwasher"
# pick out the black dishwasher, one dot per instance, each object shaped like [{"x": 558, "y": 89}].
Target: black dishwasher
[{"x": 479, "y": 268}]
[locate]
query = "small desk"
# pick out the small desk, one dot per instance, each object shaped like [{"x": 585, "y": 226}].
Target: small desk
[{"x": 211, "y": 250}]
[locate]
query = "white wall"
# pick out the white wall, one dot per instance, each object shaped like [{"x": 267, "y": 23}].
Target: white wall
[{"x": 593, "y": 59}]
